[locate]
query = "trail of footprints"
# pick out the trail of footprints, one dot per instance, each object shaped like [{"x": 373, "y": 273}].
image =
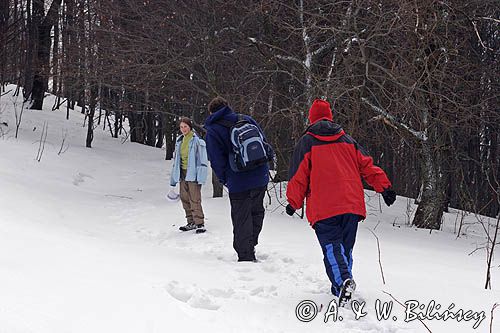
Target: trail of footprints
[{"x": 249, "y": 280}]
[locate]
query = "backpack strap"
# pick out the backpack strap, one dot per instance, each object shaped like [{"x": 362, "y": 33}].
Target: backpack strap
[
  {"x": 229, "y": 124},
  {"x": 242, "y": 119},
  {"x": 225, "y": 123}
]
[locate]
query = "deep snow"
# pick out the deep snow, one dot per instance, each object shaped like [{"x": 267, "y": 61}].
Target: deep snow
[{"x": 88, "y": 243}]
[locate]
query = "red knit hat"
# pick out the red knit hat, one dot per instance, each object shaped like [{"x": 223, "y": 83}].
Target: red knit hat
[{"x": 320, "y": 109}]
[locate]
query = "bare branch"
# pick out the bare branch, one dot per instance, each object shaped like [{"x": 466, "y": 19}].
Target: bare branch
[
  {"x": 418, "y": 134},
  {"x": 395, "y": 299}
]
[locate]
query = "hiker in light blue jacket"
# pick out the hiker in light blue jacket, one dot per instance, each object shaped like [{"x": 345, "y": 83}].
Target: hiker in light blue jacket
[{"x": 190, "y": 169}]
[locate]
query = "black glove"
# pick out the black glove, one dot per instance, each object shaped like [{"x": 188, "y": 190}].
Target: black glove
[
  {"x": 290, "y": 210},
  {"x": 389, "y": 196}
]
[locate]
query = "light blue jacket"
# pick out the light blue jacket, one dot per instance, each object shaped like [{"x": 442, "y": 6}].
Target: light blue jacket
[{"x": 197, "y": 161}]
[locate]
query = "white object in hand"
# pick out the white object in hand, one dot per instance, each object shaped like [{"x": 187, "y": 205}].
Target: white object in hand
[{"x": 172, "y": 195}]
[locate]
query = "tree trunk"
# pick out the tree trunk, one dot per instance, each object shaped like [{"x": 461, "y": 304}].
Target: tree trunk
[
  {"x": 150, "y": 128},
  {"x": 218, "y": 188},
  {"x": 55, "y": 59},
  {"x": 30, "y": 49},
  {"x": 43, "y": 27},
  {"x": 91, "y": 113},
  {"x": 40, "y": 80},
  {"x": 133, "y": 126},
  {"x": 160, "y": 130},
  {"x": 118, "y": 116},
  {"x": 430, "y": 207},
  {"x": 90, "y": 126},
  {"x": 170, "y": 137},
  {"x": 4, "y": 18}
]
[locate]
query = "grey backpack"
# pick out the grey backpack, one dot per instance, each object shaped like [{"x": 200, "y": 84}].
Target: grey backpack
[{"x": 249, "y": 148}]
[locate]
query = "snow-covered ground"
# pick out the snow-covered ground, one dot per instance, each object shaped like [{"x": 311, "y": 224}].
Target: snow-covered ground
[{"x": 88, "y": 243}]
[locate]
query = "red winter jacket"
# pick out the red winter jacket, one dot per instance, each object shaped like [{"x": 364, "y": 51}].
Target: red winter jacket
[{"x": 326, "y": 169}]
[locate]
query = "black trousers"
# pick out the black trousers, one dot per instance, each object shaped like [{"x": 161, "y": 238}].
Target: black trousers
[{"x": 247, "y": 214}]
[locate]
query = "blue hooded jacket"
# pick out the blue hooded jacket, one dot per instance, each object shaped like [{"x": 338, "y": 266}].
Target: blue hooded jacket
[{"x": 218, "y": 148}]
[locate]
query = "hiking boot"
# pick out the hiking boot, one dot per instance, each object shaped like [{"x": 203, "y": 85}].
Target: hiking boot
[
  {"x": 187, "y": 227},
  {"x": 200, "y": 228},
  {"x": 247, "y": 257},
  {"x": 346, "y": 291}
]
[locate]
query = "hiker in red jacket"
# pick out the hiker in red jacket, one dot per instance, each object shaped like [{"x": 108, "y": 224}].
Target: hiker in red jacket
[{"x": 326, "y": 170}]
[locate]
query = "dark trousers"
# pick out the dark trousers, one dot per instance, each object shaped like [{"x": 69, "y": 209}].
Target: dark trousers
[
  {"x": 337, "y": 235},
  {"x": 247, "y": 214}
]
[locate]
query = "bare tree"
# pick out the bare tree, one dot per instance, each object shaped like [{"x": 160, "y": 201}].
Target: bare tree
[
  {"x": 414, "y": 81},
  {"x": 42, "y": 25}
]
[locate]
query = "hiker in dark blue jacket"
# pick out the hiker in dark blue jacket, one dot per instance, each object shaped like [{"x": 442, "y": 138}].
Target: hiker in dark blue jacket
[{"x": 246, "y": 188}]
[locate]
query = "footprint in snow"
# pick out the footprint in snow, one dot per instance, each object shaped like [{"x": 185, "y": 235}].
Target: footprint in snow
[
  {"x": 264, "y": 291},
  {"x": 227, "y": 258},
  {"x": 245, "y": 278},
  {"x": 270, "y": 267},
  {"x": 203, "y": 301},
  {"x": 179, "y": 292},
  {"x": 368, "y": 324},
  {"x": 287, "y": 260},
  {"x": 221, "y": 293},
  {"x": 193, "y": 296},
  {"x": 80, "y": 178},
  {"x": 243, "y": 269}
]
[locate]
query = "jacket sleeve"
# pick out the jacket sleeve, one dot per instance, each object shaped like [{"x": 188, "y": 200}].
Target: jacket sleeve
[
  {"x": 202, "y": 165},
  {"x": 174, "y": 178},
  {"x": 372, "y": 174},
  {"x": 216, "y": 155},
  {"x": 299, "y": 173}
]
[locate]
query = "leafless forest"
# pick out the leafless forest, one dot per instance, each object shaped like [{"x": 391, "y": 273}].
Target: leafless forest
[{"x": 414, "y": 81}]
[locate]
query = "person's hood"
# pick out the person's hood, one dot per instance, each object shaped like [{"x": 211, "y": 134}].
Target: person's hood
[
  {"x": 325, "y": 130},
  {"x": 218, "y": 115}
]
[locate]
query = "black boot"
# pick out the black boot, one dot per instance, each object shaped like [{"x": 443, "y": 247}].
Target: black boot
[
  {"x": 346, "y": 291},
  {"x": 187, "y": 227},
  {"x": 200, "y": 228},
  {"x": 250, "y": 256}
]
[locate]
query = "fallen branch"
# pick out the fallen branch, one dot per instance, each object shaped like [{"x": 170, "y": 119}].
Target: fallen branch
[
  {"x": 19, "y": 116},
  {"x": 394, "y": 298},
  {"x": 118, "y": 196},
  {"x": 61, "y": 151},
  {"x": 490, "y": 255},
  {"x": 57, "y": 104},
  {"x": 491, "y": 319},
  {"x": 43, "y": 139},
  {"x": 5, "y": 93},
  {"x": 379, "y": 255}
]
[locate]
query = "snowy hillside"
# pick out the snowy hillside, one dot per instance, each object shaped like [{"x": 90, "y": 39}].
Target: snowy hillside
[{"x": 88, "y": 243}]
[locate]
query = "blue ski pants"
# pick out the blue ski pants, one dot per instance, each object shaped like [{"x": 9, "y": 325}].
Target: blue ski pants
[{"x": 337, "y": 235}]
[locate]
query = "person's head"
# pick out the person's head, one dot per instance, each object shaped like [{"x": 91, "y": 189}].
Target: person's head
[
  {"x": 185, "y": 125},
  {"x": 216, "y": 104},
  {"x": 320, "y": 109}
]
